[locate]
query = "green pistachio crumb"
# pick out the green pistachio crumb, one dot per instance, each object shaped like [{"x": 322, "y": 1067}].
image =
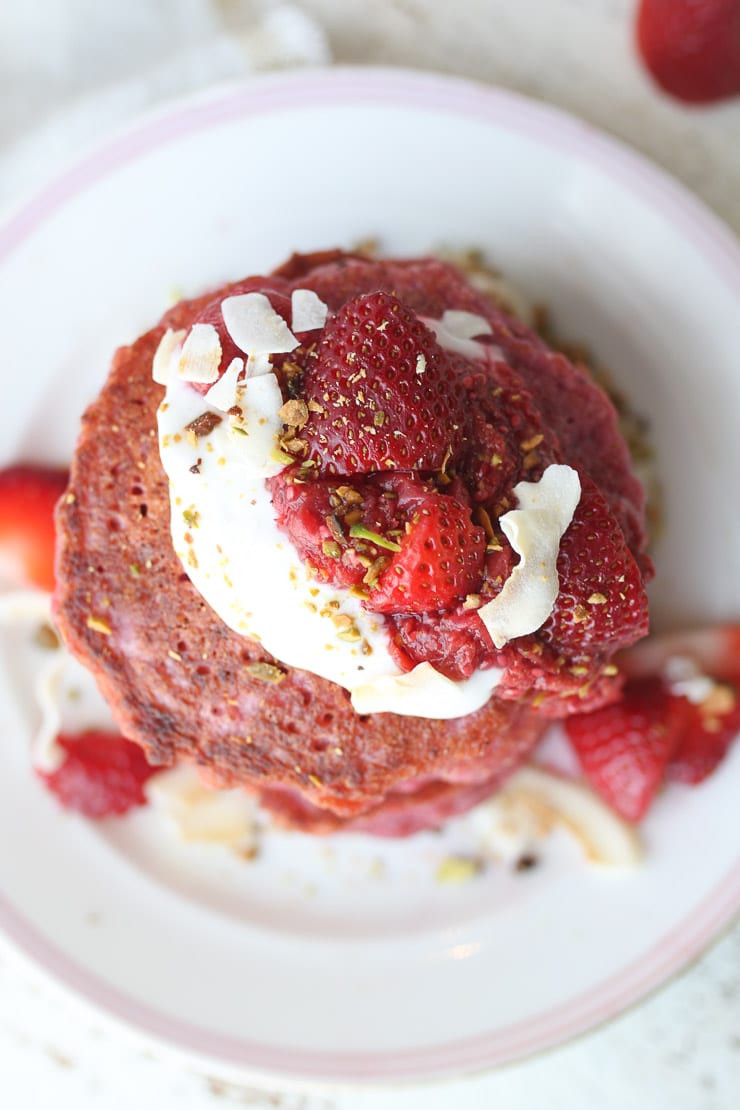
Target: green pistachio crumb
[{"x": 360, "y": 532}]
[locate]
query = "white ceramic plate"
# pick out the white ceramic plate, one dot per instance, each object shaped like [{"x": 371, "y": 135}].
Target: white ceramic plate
[{"x": 318, "y": 962}]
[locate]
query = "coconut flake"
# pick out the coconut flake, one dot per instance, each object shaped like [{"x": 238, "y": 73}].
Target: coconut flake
[
  {"x": 534, "y": 802},
  {"x": 222, "y": 395},
  {"x": 56, "y": 691},
  {"x": 455, "y": 332},
  {"x": 258, "y": 366},
  {"x": 409, "y": 694},
  {"x": 46, "y": 753},
  {"x": 169, "y": 344},
  {"x": 26, "y": 608},
  {"x": 200, "y": 356},
  {"x": 534, "y": 531},
  {"x": 201, "y": 813},
  {"x": 309, "y": 312},
  {"x": 255, "y": 326},
  {"x": 465, "y": 325}
]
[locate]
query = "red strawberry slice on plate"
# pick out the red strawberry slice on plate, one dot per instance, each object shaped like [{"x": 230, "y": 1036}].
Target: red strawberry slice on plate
[
  {"x": 103, "y": 774},
  {"x": 692, "y": 47},
  {"x": 710, "y": 729},
  {"x": 711, "y": 723},
  {"x": 624, "y": 749},
  {"x": 381, "y": 392},
  {"x": 678, "y": 715},
  {"x": 28, "y": 496},
  {"x": 602, "y": 603}
]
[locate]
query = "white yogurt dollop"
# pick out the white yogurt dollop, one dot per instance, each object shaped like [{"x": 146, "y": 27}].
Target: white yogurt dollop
[{"x": 224, "y": 533}]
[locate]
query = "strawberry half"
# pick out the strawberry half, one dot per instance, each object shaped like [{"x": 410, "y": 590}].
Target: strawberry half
[
  {"x": 709, "y": 732},
  {"x": 691, "y": 47},
  {"x": 28, "y": 496},
  {"x": 408, "y": 547},
  {"x": 103, "y": 774},
  {"x": 655, "y": 733},
  {"x": 380, "y": 393},
  {"x": 712, "y": 724},
  {"x": 440, "y": 560},
  {"x": 345, "y": 530},
  {"x": 602, "y": 604},
  {"x": 625, "y": 748}
]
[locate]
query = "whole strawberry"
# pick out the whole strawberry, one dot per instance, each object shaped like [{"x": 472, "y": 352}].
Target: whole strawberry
[
  {"x": 380, "y": 393},
  {"x": 692, "y": 47}
]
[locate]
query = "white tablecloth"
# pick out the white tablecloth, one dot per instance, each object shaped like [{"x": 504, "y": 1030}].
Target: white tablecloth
[{"x": 69, "y": 70}]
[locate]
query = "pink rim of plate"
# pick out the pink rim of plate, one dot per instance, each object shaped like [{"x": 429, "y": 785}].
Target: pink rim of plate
[{"x": 713, "y": 241}]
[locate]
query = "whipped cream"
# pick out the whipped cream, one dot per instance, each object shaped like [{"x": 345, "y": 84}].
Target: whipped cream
[{"x": 417, "y": 689}]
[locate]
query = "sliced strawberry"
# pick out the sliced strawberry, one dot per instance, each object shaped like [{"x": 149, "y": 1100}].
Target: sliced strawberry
[
  {"x": 691, "y": 47},
  {"x": 602, "y": 604},
  {"x": 714, "y": 721},
  {"x": 710, "y": 730},
  {"x": 440, "y": 560},
  {"x": 102, "y": 774},
  {"x": 625, "y": 748},
  {"x": 455, "y": 642},
  {"x": 345, "y": 530},
  {"x": 508, "y": 440},
  {"x": 381, "y": 393},
  {"x": 407, "y": 546},
  {"x": 28, "y": 496}
]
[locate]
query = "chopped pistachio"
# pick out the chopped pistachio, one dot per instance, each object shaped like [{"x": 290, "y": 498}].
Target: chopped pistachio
[
  {"x": 458, "y": 869},
  {"x": 266, "y": 672},
  {"x": 360, "y": 532},
  {"x": 98, "y": 625},
  {"x": 331, "y": 549}
]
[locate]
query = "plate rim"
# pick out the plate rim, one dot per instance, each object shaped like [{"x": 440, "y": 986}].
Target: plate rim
[
  {"x": 252, "y": 1060},
  {"x": 384, "y": 86}
]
